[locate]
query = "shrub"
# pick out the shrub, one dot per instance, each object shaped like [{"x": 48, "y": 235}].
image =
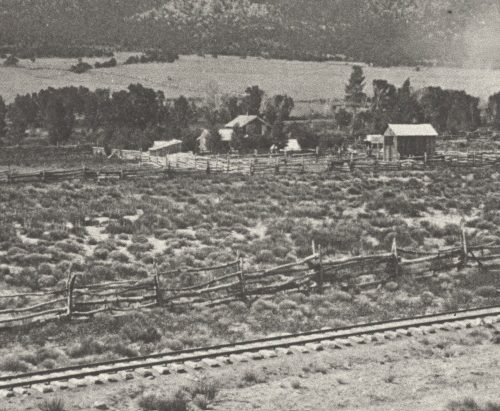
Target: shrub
[
  {"x": 206, "y": 387},
  {"x": 137, "y": 332},
  {"x": 56, "y": 404},
  {"x": 101, "y": 253},
  {"x": 487, "y": 291},
  {"x": 177, "y": 402},
  {"x": 119, "y": 256},
  {"x": 86, "y": 347},
  {"x": 13, "y": 363}
]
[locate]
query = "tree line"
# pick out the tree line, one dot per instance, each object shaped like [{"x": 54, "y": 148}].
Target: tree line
[
  {"x": 135, "y": 117},
  {"x": 449, "y": 111}
]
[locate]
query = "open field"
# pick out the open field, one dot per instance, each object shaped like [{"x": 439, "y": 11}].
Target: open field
[
  {"x": 191, "y": 75},
  {"x": 127, "y": 229}
]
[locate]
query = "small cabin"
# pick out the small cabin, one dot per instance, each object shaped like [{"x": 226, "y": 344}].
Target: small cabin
[
  {"x": 247, "y": 125},
  {"x": 409, "y": 140},
  {"x": 162, "y": 148}
]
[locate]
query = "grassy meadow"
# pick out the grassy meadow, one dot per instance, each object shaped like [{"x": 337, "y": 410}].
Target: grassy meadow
[
  {"x": 127, "y": 229},
  {"x": 191, "y": 76}
]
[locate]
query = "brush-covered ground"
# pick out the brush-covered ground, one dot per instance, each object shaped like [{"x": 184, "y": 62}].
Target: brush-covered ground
[{"x": 126, "y": 229}]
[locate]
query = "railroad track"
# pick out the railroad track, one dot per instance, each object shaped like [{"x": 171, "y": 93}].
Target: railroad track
[{"x": 215, "y": 356}]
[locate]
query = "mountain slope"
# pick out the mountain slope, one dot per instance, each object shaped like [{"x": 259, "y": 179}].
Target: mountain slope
[{"x": 384, "y": 32}]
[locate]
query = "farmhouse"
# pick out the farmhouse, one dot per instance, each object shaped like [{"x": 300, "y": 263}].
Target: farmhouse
[
  {"x": 162, "y": 148},
  {"x": 245, "y": 125},
  {"x": 409, "y": 140}
]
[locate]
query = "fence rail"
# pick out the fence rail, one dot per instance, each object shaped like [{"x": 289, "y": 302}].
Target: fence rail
[{"x": 220, "y": 284}]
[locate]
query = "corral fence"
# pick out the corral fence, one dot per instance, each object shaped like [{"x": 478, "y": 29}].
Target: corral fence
[
  {"x": 182, "y": 163},
  {"x": 233, "y": 281}
]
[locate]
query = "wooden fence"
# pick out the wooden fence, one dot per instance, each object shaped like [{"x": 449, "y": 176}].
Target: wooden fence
[
  {"x": 272, "y": 164},
  {"x": 233, "y": 282}
]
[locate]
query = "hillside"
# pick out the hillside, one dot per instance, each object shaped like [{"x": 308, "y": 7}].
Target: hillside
[{"x": 383, "y": 32}]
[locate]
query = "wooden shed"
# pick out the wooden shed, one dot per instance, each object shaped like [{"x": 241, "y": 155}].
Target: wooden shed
[
  {"x": 162, "y": 148},
  {"x": 409, "y": 140}
]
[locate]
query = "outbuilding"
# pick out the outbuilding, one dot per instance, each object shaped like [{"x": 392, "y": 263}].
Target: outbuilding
[
  {"x": 409, "y": 140},
  {"x": 246, "y": 125},
  {"x": 162, "y": 148}
]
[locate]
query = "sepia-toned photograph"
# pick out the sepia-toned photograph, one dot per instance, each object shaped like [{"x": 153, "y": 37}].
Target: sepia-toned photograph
[{"x": 241, "y": 205}]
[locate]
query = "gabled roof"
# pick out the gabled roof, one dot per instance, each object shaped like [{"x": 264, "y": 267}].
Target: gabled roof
[
  {"x": 412, "y": 130},
  {"x": 162, "y": 144},
  {"x": 244, "y": 120},
  {"x": 293, "y": 145},
  {"x": 375, "y": 138}
]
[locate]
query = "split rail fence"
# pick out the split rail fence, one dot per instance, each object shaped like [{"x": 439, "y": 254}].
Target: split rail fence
[{"x": 233, "y": 282}]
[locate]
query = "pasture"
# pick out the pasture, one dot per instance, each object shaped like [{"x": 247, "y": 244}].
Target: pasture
[{"x": 192, "y": 75}]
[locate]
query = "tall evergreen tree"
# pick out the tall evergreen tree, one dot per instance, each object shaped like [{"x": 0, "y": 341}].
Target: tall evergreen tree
[{"x": 354, "y": 89}]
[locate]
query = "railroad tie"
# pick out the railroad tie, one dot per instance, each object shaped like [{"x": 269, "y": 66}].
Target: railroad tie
[
  {"x": 195, "y": 365},
  {"x": 126, "y": 375},
  {"x": 161, "y": 369},
  {"x": 300, "y": 348},
  {"x": 238, "y": 358},
  {"x": 144, "y": 372},
  {"x": 315, "y": 346},
  {"x": 283, "y": 351},
  {"x": 20, "y": 391},
  {"x": 268, "y": 353},
  {"x": 42, "y": 388},
  {"x": 330, "y": 344},
  {"x": 178, "y": 368},
  {"x": 211, "y": 362}
]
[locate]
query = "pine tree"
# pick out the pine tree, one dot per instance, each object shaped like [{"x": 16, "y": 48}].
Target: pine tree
[{"x": 354, "y": 89}]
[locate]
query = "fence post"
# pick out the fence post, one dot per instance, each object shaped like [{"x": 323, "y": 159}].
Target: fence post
[
  {"x": 241, "y": 278},
  {"x": 227, "y": 165},
  {"x": 320, "y": 270},
  {"x": 464, "y": 243},
  {"x": 277, "y": 166},
  {"x": 71, "y": 286},
  {"x": 208, "y": 166},
  {"x": 313, "y": 246},
  {"x": 157, "y": 288},
  {"x": 394, "y": 257}
]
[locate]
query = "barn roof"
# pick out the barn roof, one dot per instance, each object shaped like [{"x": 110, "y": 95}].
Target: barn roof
[
  {"x": 243, "y": 120},
  {"x": 411, "y": 130}
]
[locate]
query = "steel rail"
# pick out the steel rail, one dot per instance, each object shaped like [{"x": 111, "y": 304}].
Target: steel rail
[{"x": 223, "y": 350}]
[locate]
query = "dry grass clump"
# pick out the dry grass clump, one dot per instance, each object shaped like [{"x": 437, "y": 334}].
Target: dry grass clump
[
  {"x": 199, "y": 394},
  {"x": 469, "y": 404}
]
